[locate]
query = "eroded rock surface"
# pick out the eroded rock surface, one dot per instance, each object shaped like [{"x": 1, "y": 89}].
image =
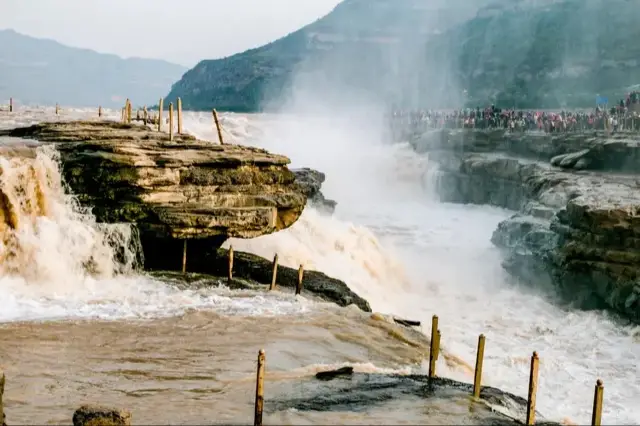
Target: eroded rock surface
[
  {"x": 184, "y": 188},
  {"x": 578, "y": 202},
  {"x": 311, "y": 181}
]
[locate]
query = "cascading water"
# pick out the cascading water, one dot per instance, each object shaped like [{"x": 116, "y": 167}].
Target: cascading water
[
  {"x": 415, "y": 257},
  {"x": 407, "y": 254}
]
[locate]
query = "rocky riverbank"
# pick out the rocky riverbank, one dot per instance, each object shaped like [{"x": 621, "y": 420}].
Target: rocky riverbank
[
  {"x": 187, "y": 190},
  {"x": 577, "y": 196}
]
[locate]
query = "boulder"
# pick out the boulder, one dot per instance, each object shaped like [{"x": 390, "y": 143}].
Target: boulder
[
  {"x": 311, "y": 181},
  {"x": 94, "y": 415}
]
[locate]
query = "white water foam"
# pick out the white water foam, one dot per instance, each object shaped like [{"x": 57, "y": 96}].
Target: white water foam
[{"x": 414, "y": 257}]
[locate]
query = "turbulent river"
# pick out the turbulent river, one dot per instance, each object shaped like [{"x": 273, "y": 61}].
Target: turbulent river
[{"x": 188, "y": 356}]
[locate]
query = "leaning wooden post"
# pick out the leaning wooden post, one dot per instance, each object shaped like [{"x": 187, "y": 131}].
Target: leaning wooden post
[
  {"x": 230, "y": 272},
  {"x": 596, "y": 417},
  {"x": 215, "y": 118},
  {"x": 179, "y": 116},
  {"x": 477, "y": 379},
  {"x": 300, "y": 275},
  {"x": 10, "y": 104},
  {"x": 533, "y": 388},
  {"x": 100, "y": 111},
  {"x": 274, "y": 273},
  {"x": 257, "y": 420},
  {"x": 433, "y": 353},
  {"x": 170, "y": 121},
  {"x": 184, "y": 257},
  {"x": 145, "y": 115},
  {"x": 160, "y": 104}
]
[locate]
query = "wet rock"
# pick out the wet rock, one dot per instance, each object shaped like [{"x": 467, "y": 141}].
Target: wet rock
[
  {"x": 578, "y": 198},
  {"x": 332, "y": 374},
  {"x": 311, "y": 181},
  {"x": 443, "y": 397},
  {"x": 93, "y": 415},
  {"x": 256, "y": 269}
]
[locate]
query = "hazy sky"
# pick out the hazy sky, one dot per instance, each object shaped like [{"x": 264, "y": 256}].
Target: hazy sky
[{"x": 181, "y": 31}]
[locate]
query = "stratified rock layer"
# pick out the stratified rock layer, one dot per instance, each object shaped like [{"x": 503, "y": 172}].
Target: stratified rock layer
[
  {"x": 578, "y": 198},
  {"x": 180, "y": 189}
]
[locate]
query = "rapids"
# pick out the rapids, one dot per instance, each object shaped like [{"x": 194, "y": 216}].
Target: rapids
[{"x": 107, "y": 326}]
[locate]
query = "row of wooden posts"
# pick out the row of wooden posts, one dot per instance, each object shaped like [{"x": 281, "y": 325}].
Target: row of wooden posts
[
  {"x": 126, "y": 117},
  {"x": 274, "y": 273},
  {"x": 434, "y": 352}
]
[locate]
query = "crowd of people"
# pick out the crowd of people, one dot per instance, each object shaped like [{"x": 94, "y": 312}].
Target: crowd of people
[{"x": 625, "y": 116}]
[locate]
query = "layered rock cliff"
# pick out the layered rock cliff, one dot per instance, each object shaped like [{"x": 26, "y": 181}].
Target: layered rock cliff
[
  {"x": 173, "y": 190},
  {"x": 578, "y": 201}
]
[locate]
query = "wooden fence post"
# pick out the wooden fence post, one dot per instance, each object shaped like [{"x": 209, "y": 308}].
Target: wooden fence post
[
  {"x": 274, "y": 273},
  {"x": 57, "y": 109},
  {"x": 596, "y": 417},
  {"x": 2, "y": 416},
  {"x": 10, "y": 104},
  {"x": 170, "y": 121},
  {"x": 218, "y": 127},
  {"x": 179, "y": 116},
  {"x": 230, "y": 272},
  {"x": 533, "y": 389},
  {"x": 433, "y": 355},
  {"x": 160, "y": 104},
  {"x": 145, "y": 115},
  {"x": 257, "y": 419},
  {"x": 129, "y": 107},
  {"x": 184, "y": 257},
  {"x": 300, "y": 275},
  {"x": 100, "y": 111},
  {"x": 477, "y": 379}
]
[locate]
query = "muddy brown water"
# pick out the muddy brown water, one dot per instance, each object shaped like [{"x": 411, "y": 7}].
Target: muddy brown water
[{"x": 194, "y": 368}]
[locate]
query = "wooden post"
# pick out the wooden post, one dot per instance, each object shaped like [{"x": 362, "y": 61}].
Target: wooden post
[
  {"x": 184, "y": 257},
  {"x": 477, "y": 380},
  {"x": 145, "y": 115},
  {"x": 129, "y": 107},
  {"x": 300, "y": 275},
  {"x": 433, "y": 353},
  {"x": 57, "y": 109},
  {"x": 257, "y": 419},
  {"x": 3, "y": 419},
  {"x": 170, "y": 121},
  {"x": 100, "y": 111},
  {"x": 179, "y": 116},
  {"x": 596, "y": 417},
  {"x": 533, "y": 388},
  {"x": 275, "y": 273},
  {"x": 160, "y": 114},
  {"x": 215, "y": 118},
  {"x": 230, "y": 273},
  {"x": 10, "y": 104}
]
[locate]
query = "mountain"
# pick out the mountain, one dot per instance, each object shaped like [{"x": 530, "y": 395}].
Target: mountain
[
  {"x": 39, "y": 71},
  {"x": 436, "y": 54},
  {"x": 363, "y": 46}
]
